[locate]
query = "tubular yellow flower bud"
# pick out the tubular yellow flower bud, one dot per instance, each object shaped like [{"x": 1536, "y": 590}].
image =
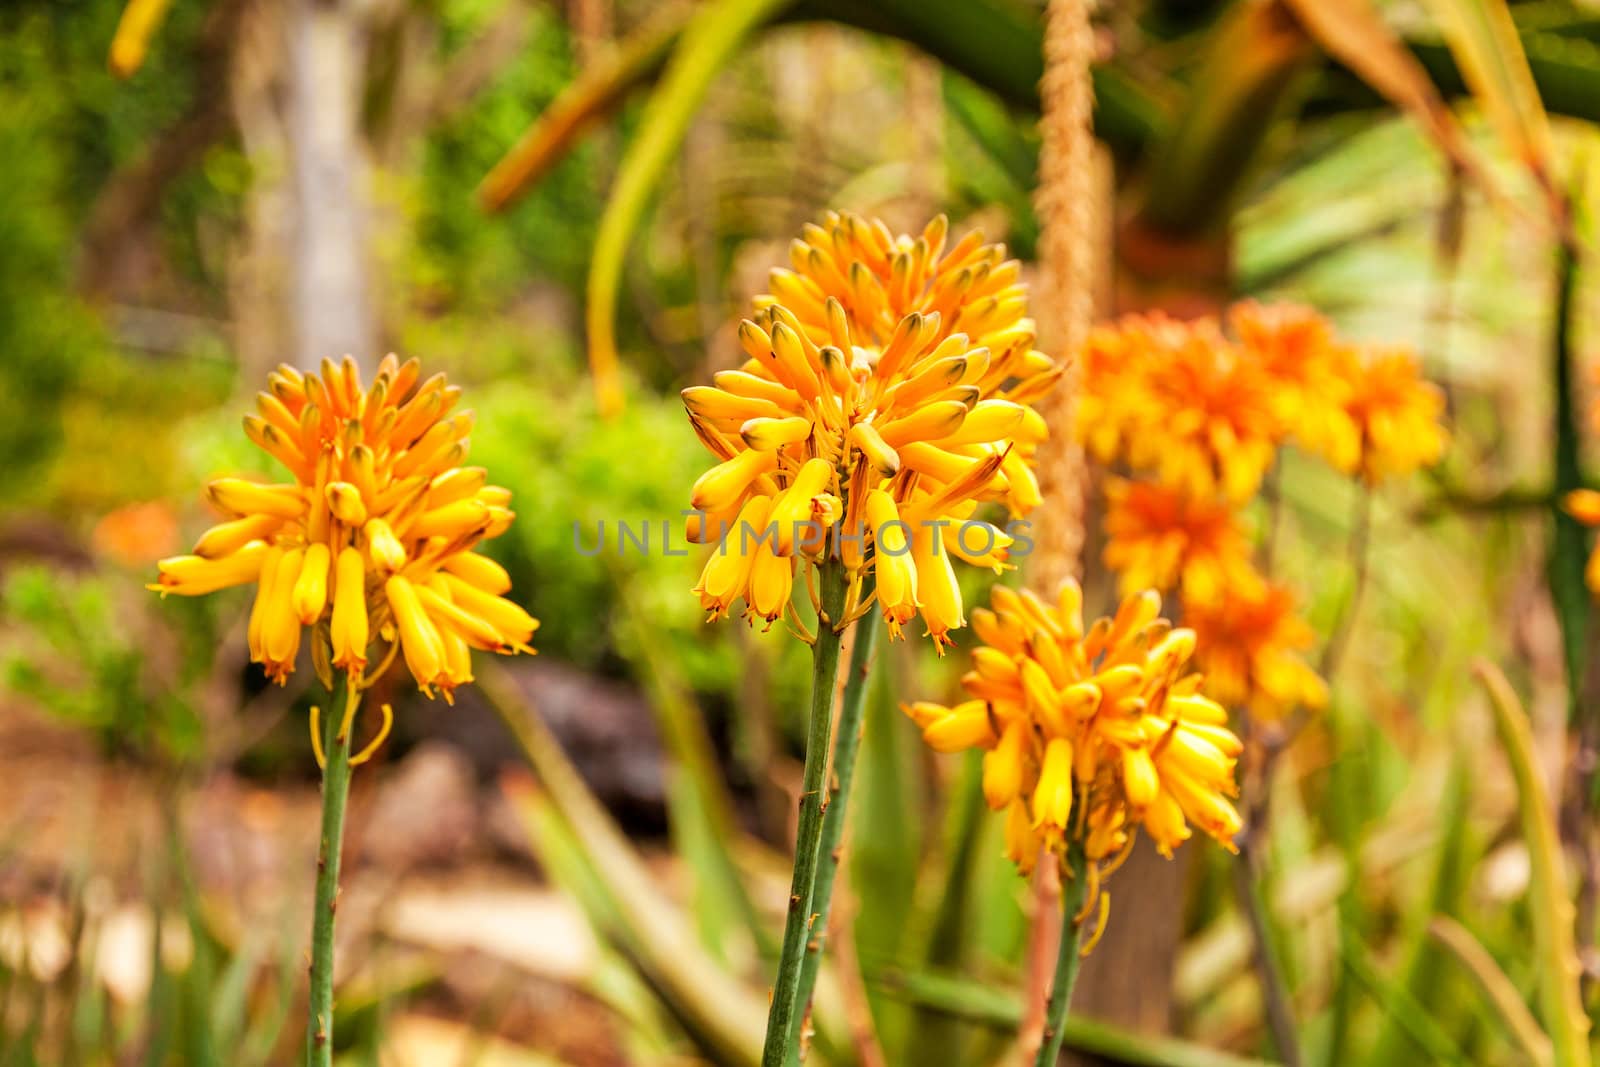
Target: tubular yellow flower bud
[
  {"x": 248, "y": 498},
  {"x": 885, "y": 460},
  {"x": 480, "y": 571},
  {"x": 310, "y": 594},
  {"x": 727, "y": 572},
  {"x": 419, "y": 639},
  {"x": 457, "y": 662},
  {"x": 1139, "y": 779},
  {"x": 384, "y": 548},
  {"x": 458, "y": 483},
  {"x": 771, "y": 434},
  {"x": 348, "y": 630},
  {"x": 258, "y": 610},
  {"x": 196, "y": 575},
  {"x": 930, "y": 422},
  {"x": 966, "y": 726},
  {"x": 892, "y": 562},
  {"x": 280, "y": 629},
  {"x": 476, "y": 631},
  {"x": 771, "y": 582},
  {"x": 514, "y": 625},
  {"x": 1052, "y": 797},
  {"x": 721, "y": 486},
  {"x": 936, "y": 585},
  {"x": 227, "y": 538},
  {"x": 1002, "y": 766},
  {"x": 719, "y": 405},
  {"x": 793, "y": 506},
  {"x": 452, "y": 520},
  {"x": 346, "y": 505}
]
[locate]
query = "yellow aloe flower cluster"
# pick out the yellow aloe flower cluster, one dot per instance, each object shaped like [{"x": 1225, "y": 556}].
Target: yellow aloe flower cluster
[
  {"x": 887, "y": 396},
  {"x": 374, "y": 535},
  {"x": 1197, "y": 416},
  {"x": 1089, "y": 733}
]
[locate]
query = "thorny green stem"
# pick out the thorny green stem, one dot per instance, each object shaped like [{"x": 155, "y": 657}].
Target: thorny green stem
[
  {"x": 1074, "y": 887},
  {"x": 846, "y": 746},
  {"x": 335, "y": 794},
  {"x": 824, "y": 676}
]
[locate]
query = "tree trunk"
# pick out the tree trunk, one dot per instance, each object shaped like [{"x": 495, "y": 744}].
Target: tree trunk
[{"x": 330, "y": 296}]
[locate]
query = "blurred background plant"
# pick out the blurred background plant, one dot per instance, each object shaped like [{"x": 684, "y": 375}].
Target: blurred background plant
[{"x": 288, "y": 181}]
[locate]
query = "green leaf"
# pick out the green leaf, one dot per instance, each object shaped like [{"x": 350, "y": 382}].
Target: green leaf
[
  {"x": 997, "y": 1009},
  {"x": 709, "y": 43},
  {"x": 1484, "y": 41}
]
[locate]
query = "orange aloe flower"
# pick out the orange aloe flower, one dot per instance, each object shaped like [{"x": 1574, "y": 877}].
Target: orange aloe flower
[
  {"x": 373, "y": 537},
  {"x": 888, "y": 389}
]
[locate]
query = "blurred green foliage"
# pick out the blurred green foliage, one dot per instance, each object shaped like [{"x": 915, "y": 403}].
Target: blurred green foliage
[{"x": 85, "y": 650}]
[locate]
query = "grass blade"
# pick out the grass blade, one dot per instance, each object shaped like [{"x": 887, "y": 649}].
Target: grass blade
[
  {"x": 1555, "y": 950},
  {"x": 1496, "y": 988}
]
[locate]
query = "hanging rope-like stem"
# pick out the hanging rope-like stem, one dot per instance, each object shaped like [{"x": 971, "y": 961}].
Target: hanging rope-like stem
[{"x": 1065, "y": 202}]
